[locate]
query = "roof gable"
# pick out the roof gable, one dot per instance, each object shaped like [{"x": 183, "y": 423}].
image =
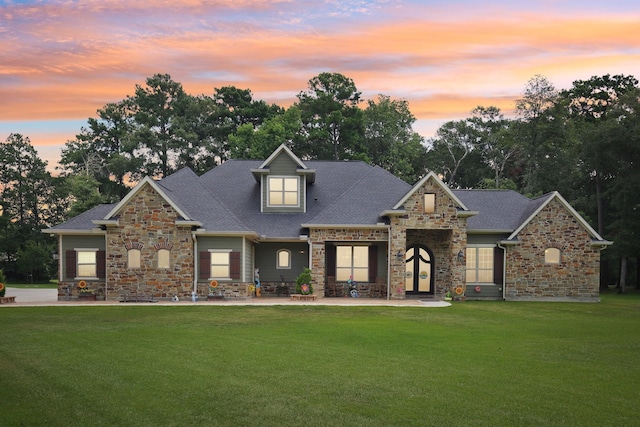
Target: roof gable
[
  {"x": 548, "y": 198},
  {"x": 150, "y": 182},
  {"x": 438, "y": 181},
  {"x": 282, "y": 149}
]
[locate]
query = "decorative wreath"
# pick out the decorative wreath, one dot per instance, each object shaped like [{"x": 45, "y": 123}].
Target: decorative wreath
[
  {"x": 82, "y": 284},
  {"x": 1, "y": 286},
  {"x": 478, "y": 288},
  {"x": 213, "y": 283},
  {"x": 459, "y": 290}
]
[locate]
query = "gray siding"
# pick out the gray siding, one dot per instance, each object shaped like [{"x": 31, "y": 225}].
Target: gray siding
[
  {"x": 283, "y": 165},
  {"x": 69, "y": 243},
  {"x": 266, "y": 260}
]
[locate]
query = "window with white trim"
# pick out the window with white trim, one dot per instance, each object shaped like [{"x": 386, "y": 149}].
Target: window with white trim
[
  {"x": 283, "y": 191},
  {"x": 283, "y": 259},
  {"x": 552, "y": 256},
  {"x": 220, "y": 264},
  {"x": 352, "y": 261},
  {"x": 480, "y": 264},
  {"x": 86, "y": 263}
]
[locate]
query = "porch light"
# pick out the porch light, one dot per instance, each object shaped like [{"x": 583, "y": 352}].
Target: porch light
[
  {"x": 460, "y": 256},
  {"x": 399, "y": 255}
]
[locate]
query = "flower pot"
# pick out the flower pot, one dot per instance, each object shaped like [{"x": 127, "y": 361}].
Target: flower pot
[{"x": 87, "y": 297}]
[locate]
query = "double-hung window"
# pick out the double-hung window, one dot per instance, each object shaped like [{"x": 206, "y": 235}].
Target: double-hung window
[
  {"x": 480, "y": 264},
  {"x": 220, "y": 264},
  {"x": 86, "y": 263},
  {"x": 352, "y": 261}
]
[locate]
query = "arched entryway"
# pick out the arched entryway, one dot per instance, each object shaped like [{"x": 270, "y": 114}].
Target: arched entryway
[{"x": 419, "y": 277}]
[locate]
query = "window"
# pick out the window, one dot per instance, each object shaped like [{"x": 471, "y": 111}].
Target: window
[
  {"x": 283, "y": 259},
  {"x": 86, "y": 265},
  {"x": 283, "y": 191},
  {"x": 480, "y": 265},
  {"x": 552, "y": 256},
  {"x": 133, "y": 258},
  {"x": 429, "y": 203},
  {"x": 163, "y": 258},
  {"x": 352, "y": 261},
  {"x": 220, "y": 264}
]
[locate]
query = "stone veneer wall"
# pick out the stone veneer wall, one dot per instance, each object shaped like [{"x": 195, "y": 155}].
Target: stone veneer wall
[
  {"x": 147, "y": 221},
  {"x": 445, "y": 217},
  {"x": 320, "y": 236},
  {"x": 576, "y": 277}
]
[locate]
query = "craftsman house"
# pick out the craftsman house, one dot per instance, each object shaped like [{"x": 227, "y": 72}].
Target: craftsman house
[{"x": 342, "y": 219}]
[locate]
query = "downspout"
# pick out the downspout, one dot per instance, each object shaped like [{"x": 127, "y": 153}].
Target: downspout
[
  {"x": 388, "y": 262},
  {"x": 504, "y": 271},
  {"x": 196, "y": 258},
  {"x": 60, "y": 278},
  {"x": 106, "y": 267}
]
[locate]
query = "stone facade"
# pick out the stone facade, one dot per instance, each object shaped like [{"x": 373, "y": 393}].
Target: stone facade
[
  {"x": 443, "y": 231},
  {"x": 576, "y": 277},
  {"x": 148, "y": 223},
  {"x": 319, "y": 238}
]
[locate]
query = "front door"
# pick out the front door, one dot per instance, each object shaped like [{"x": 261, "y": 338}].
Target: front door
[{"x": 419, "y": 270}]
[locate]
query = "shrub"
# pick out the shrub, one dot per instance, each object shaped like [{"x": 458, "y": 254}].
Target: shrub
[{"x": 304, "y": 279}]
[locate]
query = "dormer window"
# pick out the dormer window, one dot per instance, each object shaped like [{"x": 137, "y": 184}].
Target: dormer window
[{"x": 284, "y": 191}]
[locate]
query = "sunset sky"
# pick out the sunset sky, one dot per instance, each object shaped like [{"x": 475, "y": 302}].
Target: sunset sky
[{"x": 61, "y": 60}]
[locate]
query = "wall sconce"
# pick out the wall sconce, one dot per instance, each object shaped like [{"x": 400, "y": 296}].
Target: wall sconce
[
  {"x": 460, "y": 256},
  {"x": 399, "y": 255}
]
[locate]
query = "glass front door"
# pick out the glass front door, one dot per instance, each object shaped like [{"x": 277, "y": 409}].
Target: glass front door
[{"x": 419, "y": 269}]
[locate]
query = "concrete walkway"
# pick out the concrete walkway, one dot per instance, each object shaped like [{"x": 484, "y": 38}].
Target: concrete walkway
[{"x": 49, "y": 297}]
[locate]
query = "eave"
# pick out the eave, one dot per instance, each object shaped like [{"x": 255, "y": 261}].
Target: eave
[
  {"x": 92, "y": 232},
  {"x": 324, "y": 226}
]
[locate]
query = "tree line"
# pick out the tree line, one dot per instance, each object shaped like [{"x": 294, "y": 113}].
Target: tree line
[{"x": 581, "y": 141}]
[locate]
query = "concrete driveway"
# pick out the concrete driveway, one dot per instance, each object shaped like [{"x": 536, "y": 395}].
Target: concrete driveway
[{"x": 32, "y": 295}]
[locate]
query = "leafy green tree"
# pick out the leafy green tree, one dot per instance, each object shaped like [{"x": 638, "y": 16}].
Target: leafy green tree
[
  {"x": 496, "y": 142},
  {"x": 390, "y": 140},
  {"x": 234, "y": 108},
  {"x": 105, "y": 150},
  {"x": 547, "y": 160},
  {"x": 333, "y": 125},
  {"x": 602, "y": 109},
  {"x": 454, "y": 154},
  {"x": 159, "y": 110},
  {"x": 28, "y": 197},
  {"x": 258, "y": 143},
  {"x": 34, "y": 261}
]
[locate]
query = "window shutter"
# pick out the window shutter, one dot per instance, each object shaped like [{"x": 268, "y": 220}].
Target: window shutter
[
  {"x": 70, "y": 261},
  {"x": 373, "y": 263},
  {"x": 101, "y": 264},
  {"x": 234, "y": 265},
  {"x": 331, "y": 259},
  {"x": 205, "y": 265},
  {"x": 498, "y": 264}
]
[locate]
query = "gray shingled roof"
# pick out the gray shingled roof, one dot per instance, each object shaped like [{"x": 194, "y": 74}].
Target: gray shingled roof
[
  {"x": 84, "y": 220},
  {"x": 498, "y": 210},
  {"x": 227, "y": 199}
]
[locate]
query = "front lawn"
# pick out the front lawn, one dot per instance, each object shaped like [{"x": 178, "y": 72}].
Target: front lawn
[{"x": 475, "y": 363}]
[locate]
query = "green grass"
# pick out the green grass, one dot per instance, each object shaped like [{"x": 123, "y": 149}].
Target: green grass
[{"x": 475, "y": 363}]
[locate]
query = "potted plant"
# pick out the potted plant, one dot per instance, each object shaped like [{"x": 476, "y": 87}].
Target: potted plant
[
  {"x": 85, "y": 294},
  {"x": 303, "y": 283},
  {"x": 448, "y": 296},
  {"x": 214, "y": 291}
]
